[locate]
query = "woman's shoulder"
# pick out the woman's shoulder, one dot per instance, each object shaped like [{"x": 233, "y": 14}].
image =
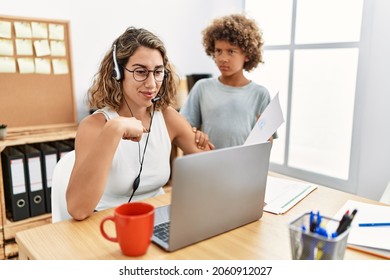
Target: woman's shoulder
[
  {"x": 107, "y": 112},
  {"x": 172, "y": 118},
  {"x": 169, "y": 112},
  {"x": 93, "y": 120}
]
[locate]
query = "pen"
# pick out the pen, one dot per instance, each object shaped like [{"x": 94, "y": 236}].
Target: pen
[
  {"x": 311, "y": 222},
  {"x": 342, "y": 221},
  {"x": 346, "y": 223},
  {"x": 374, "y": 224},
  {"x": 319, "y": 220},
  {"x": 345, "y": 216},
  {"x": 353, "y": 215}
]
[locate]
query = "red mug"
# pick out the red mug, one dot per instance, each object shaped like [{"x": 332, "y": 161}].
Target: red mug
[{"x": 134, "y": 227}]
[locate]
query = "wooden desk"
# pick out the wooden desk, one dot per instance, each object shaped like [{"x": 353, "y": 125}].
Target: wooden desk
[{"x": 267, "y": 238}]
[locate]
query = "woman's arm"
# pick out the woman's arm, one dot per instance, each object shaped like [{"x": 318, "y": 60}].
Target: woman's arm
[
  {"x": 182, "y": 134},
  {"x": 95, "y": 146}
]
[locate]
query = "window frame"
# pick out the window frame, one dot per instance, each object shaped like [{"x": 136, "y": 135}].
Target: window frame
[{"x": 350, "y": 184}]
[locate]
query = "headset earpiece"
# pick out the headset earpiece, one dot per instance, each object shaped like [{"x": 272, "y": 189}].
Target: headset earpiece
[{"x": 116, "y": 73}]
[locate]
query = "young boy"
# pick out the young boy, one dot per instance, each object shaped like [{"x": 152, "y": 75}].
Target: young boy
[{"x": 226, "y": 108}]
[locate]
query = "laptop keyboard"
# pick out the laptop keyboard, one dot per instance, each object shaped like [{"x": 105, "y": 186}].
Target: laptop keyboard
[{"x": 161, "y": 231}]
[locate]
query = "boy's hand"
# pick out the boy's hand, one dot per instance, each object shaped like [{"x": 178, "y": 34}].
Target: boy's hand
[{"x": 202, "y": 139}]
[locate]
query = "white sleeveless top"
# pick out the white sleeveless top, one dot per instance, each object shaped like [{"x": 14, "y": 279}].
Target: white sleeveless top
[{"x": 126, "y": 165}]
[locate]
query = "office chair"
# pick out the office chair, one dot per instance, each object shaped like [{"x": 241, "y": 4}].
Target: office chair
[
  {"x": 193, "y": 78},
  {"x": 60, "y": 181},
  {"x": 385, "y": 198}
]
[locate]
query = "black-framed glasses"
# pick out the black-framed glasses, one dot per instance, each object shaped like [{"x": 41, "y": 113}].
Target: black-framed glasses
[{"x": 140, "y": 74}]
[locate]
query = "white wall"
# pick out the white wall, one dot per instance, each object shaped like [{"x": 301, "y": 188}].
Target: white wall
[
  {"x": 373, "y": 139},
  {"x": 95, "y": 24}
]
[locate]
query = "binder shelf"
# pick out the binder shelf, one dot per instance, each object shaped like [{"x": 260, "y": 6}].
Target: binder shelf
[
  {"x": 27, "y": 162},
  {"x": 38, "y": 73}
]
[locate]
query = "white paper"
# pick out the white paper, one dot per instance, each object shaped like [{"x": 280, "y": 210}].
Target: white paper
[
  {"x": 57, "y": 48},
  {"x": 56, "y": 31},
  {"x": 24, "y": 47},
  {"x": 6, "y": 47},
  {"x": 5, "y": 29},
  {"x": 42, "y": 47},
  {"x": 267, "y": 124},
  {"x": 39, "y": 30},
  {"x": 282, "y": 194},
  {"x": 375, "y": 237},
  {"x": 42, "y": 66},
  {"x": 26, "y": 65},
  {"x": 60, "y": 66},
  {"x": 7, "y": 65},
  {"x": 22, "y": 29}
]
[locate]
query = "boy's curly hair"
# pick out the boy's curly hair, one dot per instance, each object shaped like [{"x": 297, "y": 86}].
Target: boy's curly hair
[{"x": 240, "y": 31}]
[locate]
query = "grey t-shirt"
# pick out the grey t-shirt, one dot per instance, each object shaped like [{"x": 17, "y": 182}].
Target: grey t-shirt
[{"x": 227, "y": 114}]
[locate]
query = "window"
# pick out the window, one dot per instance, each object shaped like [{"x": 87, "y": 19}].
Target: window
[{"x": 311, "y": 55}]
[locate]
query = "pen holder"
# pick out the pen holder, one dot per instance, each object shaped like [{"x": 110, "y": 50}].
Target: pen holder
[{"x": 307, "y": 245}]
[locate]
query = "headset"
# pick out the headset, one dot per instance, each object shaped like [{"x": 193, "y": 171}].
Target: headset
[{"x": 117, "y": 73}]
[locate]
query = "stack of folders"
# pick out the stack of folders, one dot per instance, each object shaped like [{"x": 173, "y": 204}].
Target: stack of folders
[
  {"x": 69, "y": 142},
  {"x": 62, "y": 147},
  {"x": 27, "y": 176}
]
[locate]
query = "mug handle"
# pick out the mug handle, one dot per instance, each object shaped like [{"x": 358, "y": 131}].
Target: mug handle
[{"x": 109, "y": 218}]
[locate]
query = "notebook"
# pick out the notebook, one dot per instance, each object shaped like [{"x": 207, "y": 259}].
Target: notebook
[
  {"x": 369, "y": 239},
  {"x": 213, "y": 192},
  {"x": 283, "y": 194}
]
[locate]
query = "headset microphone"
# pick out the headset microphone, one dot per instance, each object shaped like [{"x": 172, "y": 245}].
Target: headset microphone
[
  {"x": 154, "y": 100},
  {"x": 116, "y": 73}
]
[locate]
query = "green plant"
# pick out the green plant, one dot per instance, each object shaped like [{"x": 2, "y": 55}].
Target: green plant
[{"x": 3, "y": 125}]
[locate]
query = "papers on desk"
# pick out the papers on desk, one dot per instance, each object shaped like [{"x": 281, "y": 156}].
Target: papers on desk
[
  {"x": 267, "y": 124},
  {"x": 373, "y": 240},
  {"x": 282, "y": 194}
]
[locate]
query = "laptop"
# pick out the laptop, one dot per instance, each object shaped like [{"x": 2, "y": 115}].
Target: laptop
[{"x": 213, "y": 192}]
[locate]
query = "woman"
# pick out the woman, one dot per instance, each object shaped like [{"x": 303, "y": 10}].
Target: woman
[{"x": 123, "y": 149}]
